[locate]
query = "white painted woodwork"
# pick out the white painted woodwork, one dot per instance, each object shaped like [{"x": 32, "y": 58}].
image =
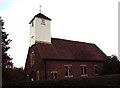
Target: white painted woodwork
[{"x": 40, "y": 32}]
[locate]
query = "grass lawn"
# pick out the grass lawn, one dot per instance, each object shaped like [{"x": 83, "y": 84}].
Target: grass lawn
[{"x": 107, "y": 81}]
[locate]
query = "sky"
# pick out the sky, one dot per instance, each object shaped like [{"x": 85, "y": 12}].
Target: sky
[{"x": 91, "y": 21}]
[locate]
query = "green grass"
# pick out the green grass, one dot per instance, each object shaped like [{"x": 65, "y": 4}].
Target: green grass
[{"x": 107, "y": 81}]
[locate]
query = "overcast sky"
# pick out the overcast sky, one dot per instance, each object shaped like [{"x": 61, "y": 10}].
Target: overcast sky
[{"x": 92, "y": 21}]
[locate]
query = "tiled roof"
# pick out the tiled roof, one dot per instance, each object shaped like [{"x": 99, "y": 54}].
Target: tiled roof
[
  {"x": 40, "y": 15},
  {"x": 69, "y": 50}
]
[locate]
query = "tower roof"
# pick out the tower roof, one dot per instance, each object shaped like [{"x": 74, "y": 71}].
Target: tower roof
[{"x": 40, "y": 15}]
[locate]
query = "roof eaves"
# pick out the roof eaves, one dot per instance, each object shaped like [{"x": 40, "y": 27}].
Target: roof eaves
[
  {"x": 40, "y": 15},
  {"x": 73, "y": 60}
]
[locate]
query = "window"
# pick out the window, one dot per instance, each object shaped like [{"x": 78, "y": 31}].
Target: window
[
  {"x": 32, "y": 58},
  {"x": 43, "y": 21},
  {"x": 32, "y": 39},
  {"x": 83, "y": 70},
  {"x": 54, "y": 75},
  {"x": 96, "y": 69},
  {"x": 68, "y": 71},
  {"x": 32, "y": 23}
]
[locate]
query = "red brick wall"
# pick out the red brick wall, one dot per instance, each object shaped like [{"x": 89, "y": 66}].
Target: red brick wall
[
  {"x": 38, "y": 65},
  {"x": 57, "y": 66},
  {"x": 76, "y": 70}
]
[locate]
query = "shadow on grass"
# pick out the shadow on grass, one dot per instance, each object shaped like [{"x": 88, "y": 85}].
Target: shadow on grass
[{"x": 107, "y": 81}]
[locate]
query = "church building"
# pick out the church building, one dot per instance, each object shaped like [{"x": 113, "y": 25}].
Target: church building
[{"x": 54, "y": 58}]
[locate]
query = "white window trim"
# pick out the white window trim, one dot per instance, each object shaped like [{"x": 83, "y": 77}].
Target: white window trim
[
  {"x": 53, "y": 72},
  {"x": 84, "y": 75},
  {"x": 67, "y": 65},
  {"x": 84, "y": 71},
  {"x": 68, "y": 71},
  {"x": 43, "y": 21},
  {"x": 69, "y": 76}
]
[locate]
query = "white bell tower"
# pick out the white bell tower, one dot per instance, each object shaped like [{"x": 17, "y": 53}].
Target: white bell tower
[{"x": 40, "y": 29}]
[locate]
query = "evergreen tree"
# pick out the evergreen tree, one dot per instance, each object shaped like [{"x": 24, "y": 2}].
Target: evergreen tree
[
  {"x": 9, "y": 73},
  {"x": 6, "y": 60}
]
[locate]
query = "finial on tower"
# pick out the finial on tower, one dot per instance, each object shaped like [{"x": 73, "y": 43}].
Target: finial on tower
[{"x": 40, "y": 9}]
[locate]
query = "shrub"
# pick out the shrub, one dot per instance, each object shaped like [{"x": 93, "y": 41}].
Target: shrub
[{"x": 111, "y": 66}]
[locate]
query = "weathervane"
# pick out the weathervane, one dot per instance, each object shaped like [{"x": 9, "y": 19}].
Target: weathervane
[{"x": 40, "y": 9}]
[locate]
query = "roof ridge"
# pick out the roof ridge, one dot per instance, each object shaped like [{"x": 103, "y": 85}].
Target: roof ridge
[{"x": 73, "y": 41}]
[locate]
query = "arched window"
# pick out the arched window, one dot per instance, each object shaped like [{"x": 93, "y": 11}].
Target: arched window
[{"x": 32, "y": 58}]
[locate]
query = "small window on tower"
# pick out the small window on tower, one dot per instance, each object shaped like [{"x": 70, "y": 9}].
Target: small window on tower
[
  {"x": 32, "y": 23},
  {"x": 43, "y": 21}
]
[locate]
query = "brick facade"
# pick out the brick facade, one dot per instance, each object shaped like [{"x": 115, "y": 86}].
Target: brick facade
[
  {"x": 63, "y": 59},
  {"x": 46, "y": 67},
  {"x": 59, "y": 66}
]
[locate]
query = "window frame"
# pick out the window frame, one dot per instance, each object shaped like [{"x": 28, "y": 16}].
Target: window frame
[
  {"x": 83, "y": 70},
  {"x": 68, "y": 70},
  {"x": 32, "y": 58},
  {"x": 43, "y": 21},
  {"x": 53, "y": 74}
]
